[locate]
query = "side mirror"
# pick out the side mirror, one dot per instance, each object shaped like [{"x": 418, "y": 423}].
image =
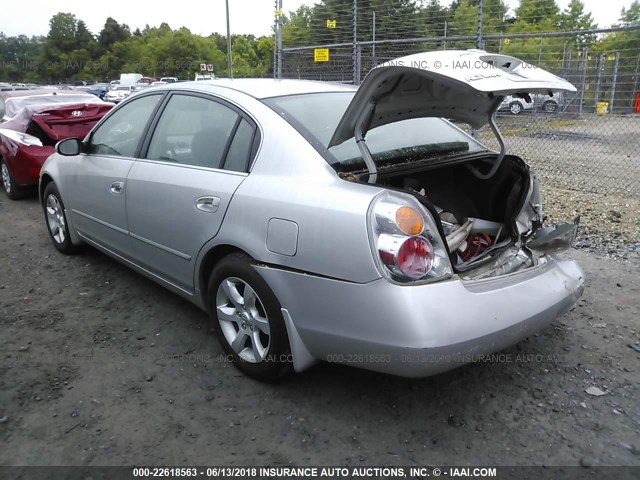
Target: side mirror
[{"x": 69, "y": 147}]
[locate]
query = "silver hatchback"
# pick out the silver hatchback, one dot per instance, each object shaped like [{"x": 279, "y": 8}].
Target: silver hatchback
[{"x": 316, "y": 221}]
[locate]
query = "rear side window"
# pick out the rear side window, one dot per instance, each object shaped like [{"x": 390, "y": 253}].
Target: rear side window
[
  {"x": 120, "y": 133},
  {"x": 198, "y": 131},
  {"x": 240, "y": 150}
]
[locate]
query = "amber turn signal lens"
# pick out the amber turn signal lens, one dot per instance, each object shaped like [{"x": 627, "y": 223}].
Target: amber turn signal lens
[{"x": 409, "y": 221}]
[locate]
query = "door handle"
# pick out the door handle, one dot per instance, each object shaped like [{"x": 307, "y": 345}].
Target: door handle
[
  {"x": 208, "y": 204},
  {"x": 117, "y": 188}
]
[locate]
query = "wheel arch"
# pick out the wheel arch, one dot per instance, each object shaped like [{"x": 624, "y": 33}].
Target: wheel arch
[
  {"x": 45, "y": 180},
  {"x": 209, "y": 261}
]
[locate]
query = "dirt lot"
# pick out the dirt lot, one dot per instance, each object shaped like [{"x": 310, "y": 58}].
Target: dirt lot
[
  {"x": 586, "y": 153},
  {"x": 102, "y": 367}
]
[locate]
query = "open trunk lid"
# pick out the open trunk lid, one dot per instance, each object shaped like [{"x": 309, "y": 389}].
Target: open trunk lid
[{"x": 464, "y": 85}]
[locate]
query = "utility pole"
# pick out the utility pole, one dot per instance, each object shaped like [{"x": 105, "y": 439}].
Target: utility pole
[
  {"x": 229, "y": 60},
  {"x": 540, "y": 53},
  {"x": 479, "y": 40},
  {"x": 479, "y": 46},
  {"x": 585, "y": 54},
  {"x": 614, "y": 80},
  {"x": 635, "y": 78},
  {"x": 279, "y": 13},
  {"x": 444, "y": 42},
  {"x": 354, "y": 49},
  {"x": 599, "y": 77},
  {"x": 275, "y": 39},
  {"x": 373, "y": 45}
]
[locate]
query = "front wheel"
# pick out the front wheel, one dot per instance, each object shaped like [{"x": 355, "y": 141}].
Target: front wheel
[
  {"x": 550, "y": 107},
  {"x": 13, "y": 191},
  {"x": 247, "y": 319},
  {"x": 515, "y": 108},
  {"x": 56, "y": 220}
]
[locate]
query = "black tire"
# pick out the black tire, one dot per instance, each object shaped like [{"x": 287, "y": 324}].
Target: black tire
[
  {"x": 515, "y": 108},
  {"x": 276, "y": 362},
  {"x": 61, "y": 242},
  {"x": 550, "y": 106},
  {"x": 13, "y": 191}
]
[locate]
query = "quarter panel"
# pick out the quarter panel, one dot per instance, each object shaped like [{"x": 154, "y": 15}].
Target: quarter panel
[{"x": 290, "y": 180}]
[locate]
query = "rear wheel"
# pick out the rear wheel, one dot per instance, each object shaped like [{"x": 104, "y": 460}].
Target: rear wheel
[
  {"x": 13, "y": 191},
  {"x": 550, "y": 106},
  {"x": 248, "y": 320},
  {"x": 56, "y": 220},
  {"x": 515, "y": 108}
]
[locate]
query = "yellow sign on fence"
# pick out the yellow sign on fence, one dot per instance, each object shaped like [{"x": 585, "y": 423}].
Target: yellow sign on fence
[
  {"x": 321, "y": 55},
  {"x": 331, "y": 23}
]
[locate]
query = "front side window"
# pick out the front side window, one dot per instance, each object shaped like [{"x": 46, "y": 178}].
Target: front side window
[
  {"x": 317, "y": 115},
  {"x": 120, "y": 134},
  {"x": 196, "y": 131}
]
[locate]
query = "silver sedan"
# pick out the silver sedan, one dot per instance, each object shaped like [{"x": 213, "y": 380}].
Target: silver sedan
[{"x": 316, "y": 221}]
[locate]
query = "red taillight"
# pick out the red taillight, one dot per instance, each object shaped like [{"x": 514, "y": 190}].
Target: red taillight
[
  {"x": 415, "y": 257},
  {"x": 405, "y": 241}
]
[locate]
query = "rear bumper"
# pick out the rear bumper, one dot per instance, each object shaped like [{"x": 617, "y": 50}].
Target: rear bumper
[
  {"x": 25, "y": 165},
  {"x": 422, "y": 330}
]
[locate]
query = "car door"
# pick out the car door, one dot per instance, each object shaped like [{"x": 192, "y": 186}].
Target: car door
[
  {"x": 97, "y": 182},
  {"x": 195, "y": 159}
]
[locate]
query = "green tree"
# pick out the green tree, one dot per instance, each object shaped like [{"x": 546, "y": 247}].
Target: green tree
[
  {"x": 264, "y": 50},
  {"x": 296, "y": 29},
  {"x": 67, "y": 48},
  {"x": 574, "y": 18},
  {"x": 537, "y": 12},
  {"x": 465, "y": 21},
  {"x": 20, "y": 57},
  {"x": 111, "y": 33}
]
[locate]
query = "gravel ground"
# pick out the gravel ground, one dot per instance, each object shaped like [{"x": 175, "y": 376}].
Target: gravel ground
[
  {"x": 103, "y": 367},
  {"x": 609, "y": 224}
]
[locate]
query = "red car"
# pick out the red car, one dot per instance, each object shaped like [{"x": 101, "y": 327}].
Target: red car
[{"x": 32, "y": 122}]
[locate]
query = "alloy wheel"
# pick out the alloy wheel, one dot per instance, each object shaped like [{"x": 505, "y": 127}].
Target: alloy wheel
[
  {"x": 6, "y": 178},
  {"x": 55, "y": 219},
  {"x": 243, "y": 319}
]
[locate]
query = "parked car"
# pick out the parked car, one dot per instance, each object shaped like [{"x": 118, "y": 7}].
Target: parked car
[
  {"x": 317, "y": 221},
  {"x": 99, "y": 90},
  {"x": 117, "y": 93},
  {"x": 541, "y": 102},
  {"x": 547, "y": 103},
  {"x": 140, "y": 87},
  {"x": 148, "y": 80},
  {"x": 169, "y": 79},
  {"x": 32, "y": 122},
  {"x": 515, "y": 105},
  {"x": 11, "y": 88}
]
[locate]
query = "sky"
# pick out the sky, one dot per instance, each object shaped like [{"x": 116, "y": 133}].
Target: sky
[{"x": 247, "y": 16}]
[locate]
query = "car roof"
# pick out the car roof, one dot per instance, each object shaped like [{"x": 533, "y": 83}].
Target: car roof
[{"x": 262, "y": 88}]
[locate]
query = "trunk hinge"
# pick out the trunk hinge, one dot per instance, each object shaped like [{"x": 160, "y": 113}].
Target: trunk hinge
[
  {"x": 362, "y": 123},
  {"x": 501, "y": 155}
]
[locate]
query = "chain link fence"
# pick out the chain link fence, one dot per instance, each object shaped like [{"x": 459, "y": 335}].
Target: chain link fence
[{"x": 587, "y": 141}]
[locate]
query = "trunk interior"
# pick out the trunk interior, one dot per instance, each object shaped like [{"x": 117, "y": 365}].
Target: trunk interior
[
  {"x": 478, "y": 217},
  {"x": 455, "y": 188}
]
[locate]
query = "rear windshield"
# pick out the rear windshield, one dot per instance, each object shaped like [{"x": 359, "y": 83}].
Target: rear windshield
[{"x": 317, "y": 115}]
